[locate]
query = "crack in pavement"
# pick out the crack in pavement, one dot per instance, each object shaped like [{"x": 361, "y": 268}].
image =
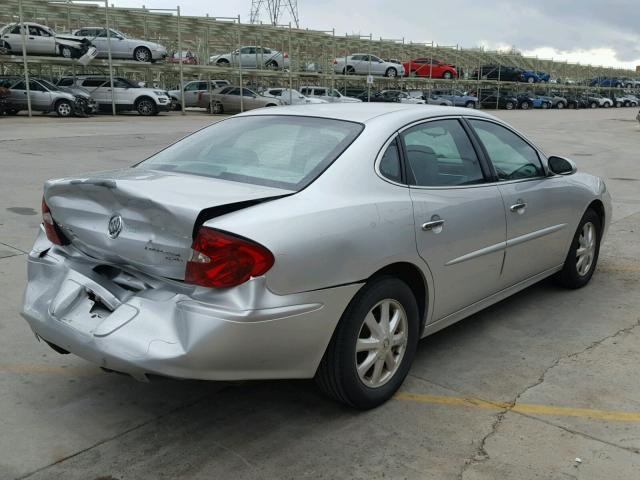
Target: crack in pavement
[
  {"x": 15, "y": 248},
  {"x": 481, "y": 454}
]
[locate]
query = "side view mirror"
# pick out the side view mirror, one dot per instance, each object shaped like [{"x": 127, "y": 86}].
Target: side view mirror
[{"x": 561, "y": 165}]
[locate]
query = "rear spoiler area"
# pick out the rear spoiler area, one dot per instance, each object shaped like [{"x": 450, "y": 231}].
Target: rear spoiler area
[{"x": 220, "y": 210}]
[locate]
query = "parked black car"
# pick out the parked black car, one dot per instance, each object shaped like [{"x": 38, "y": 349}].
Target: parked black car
[
  {"x": 577, "y": 101},
  {"x": 491, "y": 99},
  {"x": 498, "y": 72}
]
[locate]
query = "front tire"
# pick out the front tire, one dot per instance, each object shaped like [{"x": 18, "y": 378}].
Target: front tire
[
  {"x": 447, "y": 75},
  {"x": 525, "y": 106},
  {"x": 373, "y": 345},
  {"x": 146, "y": 107},
  {"x": 64, "y": 108},
  {"x": 470, "y": 104},
  {"x": 142, "y": 54},
  {"x": 531, "y": 80},
  {"x": 509, "y": 105},
  {"x": 66, "y": 52},
  {"x": 583, "y": 255},
  {"x": 391, "y": 72}
]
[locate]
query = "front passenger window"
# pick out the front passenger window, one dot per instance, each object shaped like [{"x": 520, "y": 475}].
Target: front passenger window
[
  {"x": 440, "y": 154},
  {"x": 512, "y": 157}
]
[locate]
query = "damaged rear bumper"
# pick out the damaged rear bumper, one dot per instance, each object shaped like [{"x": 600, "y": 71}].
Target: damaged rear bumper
[{"x": 128, "y": 322}]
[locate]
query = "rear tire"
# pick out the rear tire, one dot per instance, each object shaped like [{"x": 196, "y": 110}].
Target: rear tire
[
  {"x": 509, "y": 105},
  {"x": 576, "y": 273},
  {"x": 364, "y": 366},
  {"x": 223, "y": 63},
  {"x": 470, "y": 104},
  {"x": 560, "y": 105},
  {"x": 349, "y": 70},
  {"x": 531, "y": 80},
  {"x": 525, "y": 106},
  {"x": 217, "y": 108}
]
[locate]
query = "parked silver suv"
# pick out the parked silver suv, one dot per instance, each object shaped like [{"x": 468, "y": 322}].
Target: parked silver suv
[
  {"x": 45, "y": 97},
  {"x": 122, "y": 46},
  {"x": 128, "y": 96},
  {"x": 193, "y": 91}
]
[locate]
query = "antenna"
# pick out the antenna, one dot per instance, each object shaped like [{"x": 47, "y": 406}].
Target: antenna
[{"x": 275, "y": 9}]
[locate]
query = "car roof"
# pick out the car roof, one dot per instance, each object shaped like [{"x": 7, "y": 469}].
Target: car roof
[{"x": 366, "y": 112}]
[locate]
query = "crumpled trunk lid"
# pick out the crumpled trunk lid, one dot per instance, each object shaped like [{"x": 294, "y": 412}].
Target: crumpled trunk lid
[{"x": 144, "y": 218}]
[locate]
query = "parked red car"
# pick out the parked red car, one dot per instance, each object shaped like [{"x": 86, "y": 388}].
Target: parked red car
[{"x": 426, "y": 67}]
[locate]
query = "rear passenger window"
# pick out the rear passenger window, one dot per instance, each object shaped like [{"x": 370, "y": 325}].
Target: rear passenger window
[
  {"x": 440, "y": 154},
  {"x": 512, "y": 157},
  {"x": 390, "y": 163}
]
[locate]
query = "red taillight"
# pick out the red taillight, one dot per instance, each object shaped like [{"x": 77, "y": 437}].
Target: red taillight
[
  {"x": 286, "y": 55},
  {"x": 222, "y": 260},
  {"x": 53, "y": 234},
  {"x": 335, "y": 61}
]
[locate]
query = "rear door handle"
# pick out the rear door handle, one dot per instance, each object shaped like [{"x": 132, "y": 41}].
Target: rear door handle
[
  {"x": 518, "y": 207},
  {"x": 434, "y": 225}
]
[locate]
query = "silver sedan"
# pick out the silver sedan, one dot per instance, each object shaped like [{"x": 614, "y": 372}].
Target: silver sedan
[{"x": 307, "y": 241}]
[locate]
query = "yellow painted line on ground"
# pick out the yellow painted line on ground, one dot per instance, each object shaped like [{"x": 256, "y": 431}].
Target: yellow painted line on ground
[
  {"x": 627, "y": 268},
  {"x": 529, "y": 408},
  {"x": 42, "y": 368}
]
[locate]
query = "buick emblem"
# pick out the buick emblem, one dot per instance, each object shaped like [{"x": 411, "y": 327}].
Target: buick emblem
[{"x": 115, "y": 226}]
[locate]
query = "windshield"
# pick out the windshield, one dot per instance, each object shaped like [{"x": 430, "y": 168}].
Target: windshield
[
  {"x": 49, "y": 85},
  {"x": 279, "y": 151}
]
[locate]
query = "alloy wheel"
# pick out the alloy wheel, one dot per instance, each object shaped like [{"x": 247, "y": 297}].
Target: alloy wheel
[
  {"x": 145, "y": 107},
  {"x": 64, "y": 109},
  {"x": 381, "y": 344},
  {"x": 142, "y": 55},
  {"x": 586, "y": 249}
]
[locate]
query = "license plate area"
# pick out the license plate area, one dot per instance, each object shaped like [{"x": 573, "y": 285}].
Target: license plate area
[{"x": 80, "y": 307}]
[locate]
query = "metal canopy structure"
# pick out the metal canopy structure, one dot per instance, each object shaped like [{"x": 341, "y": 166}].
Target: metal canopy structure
[{"x": 208, "y": 35}]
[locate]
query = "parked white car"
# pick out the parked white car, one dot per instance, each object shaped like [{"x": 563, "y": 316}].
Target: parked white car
[
  {"x": 291, "y": 97},
  {"x": 363, "y": 64},
  {"x": 128, "y": 96},
  {"x": 330, "y": 95},
  {"x": 42, "y": 40},
  {"x": 192, "y": 92},
  {"x": 252, "y": 57},
  {"x": 122, "y": 46}
]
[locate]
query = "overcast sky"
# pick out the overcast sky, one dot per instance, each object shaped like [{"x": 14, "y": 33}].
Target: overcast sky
[{"x": 600, "y": 32}]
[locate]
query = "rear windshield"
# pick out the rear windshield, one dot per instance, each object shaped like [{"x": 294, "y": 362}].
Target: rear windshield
[{"x": 271, "y": 150}]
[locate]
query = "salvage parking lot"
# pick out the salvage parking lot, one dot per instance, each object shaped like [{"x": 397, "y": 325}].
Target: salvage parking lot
[{"x": 542, "y": 385}]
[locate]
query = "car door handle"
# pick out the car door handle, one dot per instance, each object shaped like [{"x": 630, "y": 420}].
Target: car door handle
[
  {"x": 434, "y": 225},
  {"x": 518, "y": 207}
]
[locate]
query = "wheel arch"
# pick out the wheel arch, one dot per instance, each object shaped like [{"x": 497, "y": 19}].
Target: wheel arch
[
  {"x": 598, "y": 207},
  {"x": 415, "y": 279}
]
